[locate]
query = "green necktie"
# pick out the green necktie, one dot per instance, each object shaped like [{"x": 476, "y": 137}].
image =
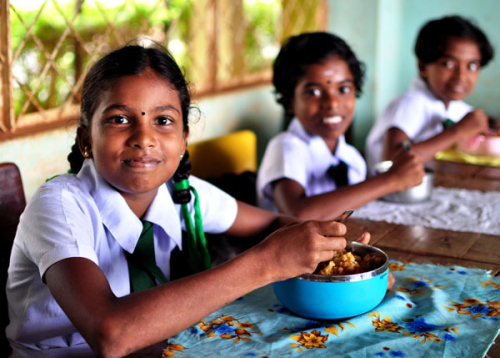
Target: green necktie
[
  {"x": 142, "y": 263},
  {"x": 448, "y": 123}
]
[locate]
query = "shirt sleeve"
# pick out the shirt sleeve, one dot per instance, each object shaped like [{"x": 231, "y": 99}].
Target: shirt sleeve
[
  {"x": 55, "y": 227},
  {"x": 407, "y": 114},
  {"x": 218, "y": 209},
  {"x": 286, "y": 157}
]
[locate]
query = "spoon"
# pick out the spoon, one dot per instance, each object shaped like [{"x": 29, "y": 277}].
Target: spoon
[
  {"x": 406, "y": 145},
  {"x": 342, "y": 217}
]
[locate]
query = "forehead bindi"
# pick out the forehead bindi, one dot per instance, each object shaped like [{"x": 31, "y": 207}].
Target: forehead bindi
[{"x": 331, "y": 70}]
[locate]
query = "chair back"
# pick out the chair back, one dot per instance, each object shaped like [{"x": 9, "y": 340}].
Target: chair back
[
  {"x": 12, "y": 204},
  {"x": 232, "y": 153}
]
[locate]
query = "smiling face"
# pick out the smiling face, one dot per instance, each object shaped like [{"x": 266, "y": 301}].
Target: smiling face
[
  {"x": 325, "y": 98},
  {"x": 136, "y": 134},
  {"x": 453, "y": 76}
]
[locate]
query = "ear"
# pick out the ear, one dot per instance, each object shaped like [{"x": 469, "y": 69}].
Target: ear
[
  {"x": 422, "y": 69},
  {"x": 83, "y": 139}
]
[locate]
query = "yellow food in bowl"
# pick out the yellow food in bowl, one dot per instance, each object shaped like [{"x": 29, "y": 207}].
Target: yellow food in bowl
[{"x": 345, "y": 263}]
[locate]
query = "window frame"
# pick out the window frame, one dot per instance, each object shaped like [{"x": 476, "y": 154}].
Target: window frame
[{"x": 68, "y": 115}]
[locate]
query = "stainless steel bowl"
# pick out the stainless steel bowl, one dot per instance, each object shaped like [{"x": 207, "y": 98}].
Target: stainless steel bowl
[
  {"x": 359, "y": 249},
  {"x": 412, "y": 195},
  {"x": 336, "y": 297}
]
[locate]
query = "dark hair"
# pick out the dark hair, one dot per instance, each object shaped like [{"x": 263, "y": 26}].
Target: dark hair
[
  {"x": 434, "y": 36},
  {"x": 299, "y": 52},
  {"x": 128, "y": 61}
]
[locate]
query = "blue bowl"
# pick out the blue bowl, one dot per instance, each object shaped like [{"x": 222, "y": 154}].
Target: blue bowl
[{"x": 336, "y": 297}]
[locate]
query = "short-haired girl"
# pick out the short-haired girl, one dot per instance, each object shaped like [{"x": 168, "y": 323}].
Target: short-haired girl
[
  {"x": 310, "y": 171},
  {"x": 76, "y": 284},
  {"x": 451, "y": 52}
]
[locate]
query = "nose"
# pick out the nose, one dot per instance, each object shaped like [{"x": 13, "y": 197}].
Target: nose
[
  {"x": 143, "y": 136},
  {"x": 330, "y": 101},
  {"x": 461, "y": 72}
]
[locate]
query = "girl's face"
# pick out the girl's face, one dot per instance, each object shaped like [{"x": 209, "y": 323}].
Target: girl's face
[
  {"x": 136, "y": 134},
  {"x": 453, "y": 76},
  {"x": 325, "y": 98}
]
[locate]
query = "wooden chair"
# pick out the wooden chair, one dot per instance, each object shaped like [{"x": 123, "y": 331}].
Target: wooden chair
[{"x": 12, "y": 204}]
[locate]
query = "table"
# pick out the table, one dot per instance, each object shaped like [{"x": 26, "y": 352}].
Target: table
[
  {"x": 419, "y": 245},
  {"x": 466, "y": 176},
  {"x": 444, "y": 247}
]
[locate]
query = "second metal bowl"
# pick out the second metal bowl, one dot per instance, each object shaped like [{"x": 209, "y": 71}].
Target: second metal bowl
[{"x": 412, "y": 195}]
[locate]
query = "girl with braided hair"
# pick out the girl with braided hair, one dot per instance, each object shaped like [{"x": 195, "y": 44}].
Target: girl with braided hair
[{"x": 89, "y": 270}]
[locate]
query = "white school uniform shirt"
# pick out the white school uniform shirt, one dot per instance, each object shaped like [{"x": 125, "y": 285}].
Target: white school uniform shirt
[
  {"x": 304, "y": 158},
  {"x": 418, "y": 113},
  {"x": 83, "y": 216}
]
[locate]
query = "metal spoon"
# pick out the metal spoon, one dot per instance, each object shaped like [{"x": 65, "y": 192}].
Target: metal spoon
[
  {"x": 342, "y": 217},
  {"x": 406, "y": 145}
]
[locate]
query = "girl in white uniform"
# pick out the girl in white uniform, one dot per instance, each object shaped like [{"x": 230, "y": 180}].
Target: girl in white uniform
[
  {"x": 76, "y": 286},
  {"x": 451, "y": 52},
  {"x": 310, "y": 171}
]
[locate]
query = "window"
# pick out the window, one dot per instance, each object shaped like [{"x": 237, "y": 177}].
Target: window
[{"x": 46, "y": 47}]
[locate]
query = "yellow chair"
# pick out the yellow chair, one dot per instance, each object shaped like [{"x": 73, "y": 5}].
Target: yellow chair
[
  {"x": 232, "y": 153},
  {"x": 228, "y": 162}
]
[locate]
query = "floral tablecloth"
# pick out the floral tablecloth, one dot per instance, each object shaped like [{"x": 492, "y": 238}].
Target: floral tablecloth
[{"x": 432, "y": 311}]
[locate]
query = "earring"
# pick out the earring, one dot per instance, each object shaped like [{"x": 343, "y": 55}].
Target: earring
[
  {"x": 182, "y": 156},
  {"x": 86, "y": 152}
]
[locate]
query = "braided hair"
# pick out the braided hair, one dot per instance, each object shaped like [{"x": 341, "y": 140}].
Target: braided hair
[{"x": 183, "y": 171}]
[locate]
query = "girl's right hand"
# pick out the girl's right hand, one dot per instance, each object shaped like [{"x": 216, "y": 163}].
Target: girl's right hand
[
  {"x": 475, "y": 122},
  {"x": 406, "y": 171},
  {"x": 298, "y": 249}
]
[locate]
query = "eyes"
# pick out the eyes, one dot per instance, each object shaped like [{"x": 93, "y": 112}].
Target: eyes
[
  {"x": 118, "y": 120},
  {"x": 451, "y": 65},
  {"x": 121, "y": 119},
  {"x": 318, "y": 92}
]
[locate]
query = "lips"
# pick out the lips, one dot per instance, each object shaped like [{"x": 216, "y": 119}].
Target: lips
[
  {"x": 332, "y": 120},
  {"x": 142, "y": 162},
  {"x": 457, "y": 88}
]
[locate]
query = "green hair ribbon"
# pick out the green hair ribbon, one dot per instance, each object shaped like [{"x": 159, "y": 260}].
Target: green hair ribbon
[{"x": 197, "y": 243}]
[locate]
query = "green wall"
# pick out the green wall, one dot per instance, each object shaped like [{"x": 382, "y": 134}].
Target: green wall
[{"x": 383, "y": 33}]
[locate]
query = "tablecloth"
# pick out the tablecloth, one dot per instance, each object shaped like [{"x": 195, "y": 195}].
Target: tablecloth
[
  {"x": 432, "y": 311},
  {"x": 448, "y": 208}
]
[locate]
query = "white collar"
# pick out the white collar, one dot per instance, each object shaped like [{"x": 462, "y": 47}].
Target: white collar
[
  {"x": 321, "y": 158},
  {"x": 418, "y": 84},
  {"x": 120, "y": 220}
]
